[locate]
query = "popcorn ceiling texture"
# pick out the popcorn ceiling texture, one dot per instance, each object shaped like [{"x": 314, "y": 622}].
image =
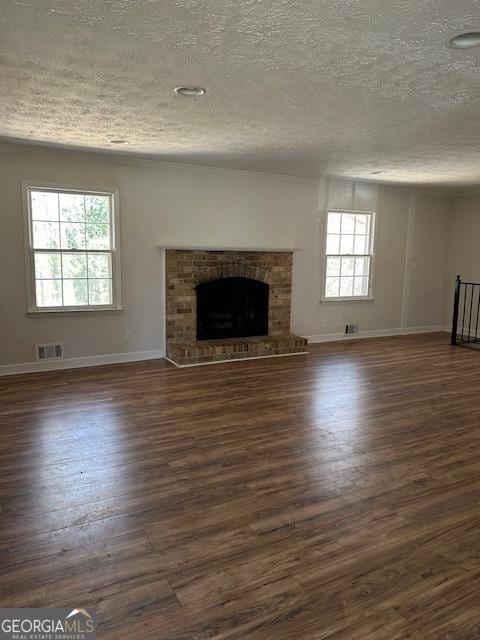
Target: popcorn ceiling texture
[{"x": 300, "y": 87}]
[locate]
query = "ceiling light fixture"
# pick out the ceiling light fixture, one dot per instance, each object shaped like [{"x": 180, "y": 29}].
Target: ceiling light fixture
[
  {"x": 191, "y": 92},
  {"x": 118, "y": 141},
  {"x": 466, "y": 40}
]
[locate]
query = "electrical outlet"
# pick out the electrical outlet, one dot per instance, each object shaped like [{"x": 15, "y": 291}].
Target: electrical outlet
[{"x": 128, "y": 336}]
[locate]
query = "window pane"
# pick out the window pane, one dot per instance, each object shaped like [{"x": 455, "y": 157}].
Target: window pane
[
  {"x": 361, "y": 244},
  {"x": 74, "y": 265},
  {"x": 333, "y": 266},
  {"x": 361, "y": 286},
  {"x": 98, "y": 209},
  {"x": 332, "y": 287},
  {"x": 348, "y": 265},
  {"x": 71, "y": 238},
  {"x": 49, "y": 293},
  {"x": 99, "y": 265},
  {"x": 346, "y": 286},
  {"x": 333, "y": 244},
  {"x": 363, "y": 224},
  {"x": 98, "y": 236},
  {"x": 348, "y": 235},
  {"x": 75, "y": 293},
  {"x": 44, "y": 205},
  {"x": 47, "y": 265},
  {"x": 45, "y": 235},
  {"x": 72, "y": 235},
  {"x": 346, "y": 244},
  {"x": 100, "y": 291},
  {"x": 348, "y": 223},
  {"x": 72, "y": 207},
  {"x": 362, "y": 266},
  {"x": 333, "y": 223}
]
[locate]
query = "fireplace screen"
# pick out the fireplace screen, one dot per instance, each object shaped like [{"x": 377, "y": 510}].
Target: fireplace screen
[{"x": 232, "y": 308}]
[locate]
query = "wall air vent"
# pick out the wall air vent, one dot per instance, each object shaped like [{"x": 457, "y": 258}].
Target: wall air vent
[
  {"x": 351, "y": 329},
  {"x": 52, "y": 351}
]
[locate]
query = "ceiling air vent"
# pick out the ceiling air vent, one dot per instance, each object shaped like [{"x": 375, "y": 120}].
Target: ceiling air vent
[
  {"x": 351, "y": 329},
  {"x": 52, "y": 351}
]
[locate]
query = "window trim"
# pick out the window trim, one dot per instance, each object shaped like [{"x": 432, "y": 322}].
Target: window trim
[
  {"x": 32, "y": 309},
  {"x": 373, "y": 242}
]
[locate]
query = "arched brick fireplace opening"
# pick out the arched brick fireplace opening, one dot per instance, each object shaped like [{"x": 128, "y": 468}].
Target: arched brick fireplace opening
[{"x": 186, "y": 270}]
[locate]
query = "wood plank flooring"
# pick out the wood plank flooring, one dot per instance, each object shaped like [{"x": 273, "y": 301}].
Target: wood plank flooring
[{"x": 334, "y": 496}]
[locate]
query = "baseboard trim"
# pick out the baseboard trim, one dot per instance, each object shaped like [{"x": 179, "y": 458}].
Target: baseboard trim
[
  {"x": 76, "y": 363},
  {"x": 375, "y": 333},
  {"x": 202, "y": 364},
  {"x": 138, "y": 356}
]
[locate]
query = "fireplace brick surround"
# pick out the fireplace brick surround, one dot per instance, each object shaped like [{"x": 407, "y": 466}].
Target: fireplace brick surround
[{"x": 186, "y": 268}]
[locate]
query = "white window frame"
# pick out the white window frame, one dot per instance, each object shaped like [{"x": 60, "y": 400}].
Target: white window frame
[
  {"x": 32, "y": 308},
  {"x": 373, "y": 233}
]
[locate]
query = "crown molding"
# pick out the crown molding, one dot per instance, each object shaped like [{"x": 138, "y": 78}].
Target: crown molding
[
  {"x": 16, "y": 147},
  {"x": 115, "y": 159}
]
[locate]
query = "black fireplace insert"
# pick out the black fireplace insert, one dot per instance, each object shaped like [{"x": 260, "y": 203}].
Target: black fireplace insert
[{"x": 232, "y": 308}]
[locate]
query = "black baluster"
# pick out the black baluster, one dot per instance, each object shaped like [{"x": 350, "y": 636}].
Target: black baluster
[
  {"x": 465, "y": 287},
  {"x": 478, "y": 315},
  {"x": 470, "y": 317},
  {"x": 456, "y": 305}
]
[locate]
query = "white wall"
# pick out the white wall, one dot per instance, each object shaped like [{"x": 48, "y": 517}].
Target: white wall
[
  {"x": 464, "y": 254},
  {"x": 172, "y": 204},
  {"x": 384, "y": 312},
  {"x": 412, "y": 232},
  {"x": 429, "y": 255},
  {"x": 464, "y": 245}
]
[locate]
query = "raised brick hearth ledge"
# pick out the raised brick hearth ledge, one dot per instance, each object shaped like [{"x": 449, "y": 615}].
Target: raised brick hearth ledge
[{"x": 206, "y": 351}]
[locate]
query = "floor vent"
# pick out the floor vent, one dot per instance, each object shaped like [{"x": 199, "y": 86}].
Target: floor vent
[
  {"x": 351, "y": 329},
  {"x": 53, "y": 351}
]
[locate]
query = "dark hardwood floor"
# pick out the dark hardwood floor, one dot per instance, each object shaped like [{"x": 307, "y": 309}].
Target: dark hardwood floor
[{"x": 328, "y": 496}]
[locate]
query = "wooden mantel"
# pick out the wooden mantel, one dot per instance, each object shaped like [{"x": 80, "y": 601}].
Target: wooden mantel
[{"x": 224, "y": 248}]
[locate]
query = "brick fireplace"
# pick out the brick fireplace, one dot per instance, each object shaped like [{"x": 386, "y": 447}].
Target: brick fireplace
[{"x": 186, "y": 269}]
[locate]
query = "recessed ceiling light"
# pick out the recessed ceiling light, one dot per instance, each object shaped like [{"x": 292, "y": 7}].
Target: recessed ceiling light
[
  {"x": 377, "y": 173},
  {"x": 191, "y": 92},
  {"x": 466, "y": 40},
  {"x": 118, "y": 141}
]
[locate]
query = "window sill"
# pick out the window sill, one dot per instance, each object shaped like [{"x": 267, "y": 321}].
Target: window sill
[
  {"x": 342, "y": 300},
  {"x": 72, "y": 312}
]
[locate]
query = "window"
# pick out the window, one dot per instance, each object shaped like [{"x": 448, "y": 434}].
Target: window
[
  {"x": 72, "y": 255},
  {"x": 349, "y": 255}
]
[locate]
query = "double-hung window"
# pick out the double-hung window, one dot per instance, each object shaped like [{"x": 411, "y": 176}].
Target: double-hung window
[
  {"x": 349, "y": 255},
  {"x": 72, "y": 253}
]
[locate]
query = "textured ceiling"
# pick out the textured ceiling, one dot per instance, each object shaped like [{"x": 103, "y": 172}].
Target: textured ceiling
[{"x": 300, "y": 87}]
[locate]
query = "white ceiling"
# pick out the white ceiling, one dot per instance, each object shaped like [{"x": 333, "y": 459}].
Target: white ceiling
[{"x": 300, "y": 87}]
